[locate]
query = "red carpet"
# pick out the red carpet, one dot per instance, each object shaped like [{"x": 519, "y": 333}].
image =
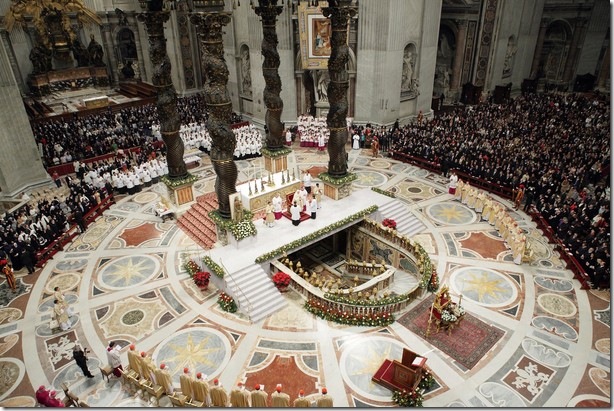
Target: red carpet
[
  {"x": 467, "y": 344},
  {"x": 304, "y": 216}
]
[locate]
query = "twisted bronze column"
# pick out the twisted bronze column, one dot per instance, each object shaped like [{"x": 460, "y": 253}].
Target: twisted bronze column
[
  {"x": 268, "y": 10},
  {"x": 223, "y": 142},
  {"x": 339, "y": 12},
  {"x": 167, "y": 97}
]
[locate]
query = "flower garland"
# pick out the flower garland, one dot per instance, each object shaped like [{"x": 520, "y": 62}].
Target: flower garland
[
  {"x": 227, "y": 303},
  {"x": 366, "y": 303},
  {"x": 191, "y": 267},
  {"x": 315, "y": 235},
  {"x": 427, "y": 380},
  {"x": 213, "y": 266},
  {"x": 177, "y": 182},
  {"x": 408, "y": 398},
  {"x": 275, "y": 153},
  {"x": 343, "y": 317},
  {"x": 433, "y": 284},
  {"x": 384, "y": 192},
  {"x": 348, "y": 178},
  {"x": 281, "y": 280},
  {"x": 389, "y": 223}
]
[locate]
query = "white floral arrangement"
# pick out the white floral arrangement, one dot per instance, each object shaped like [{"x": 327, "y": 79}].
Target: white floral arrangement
[
  {"x": 458, "y": 311},
  {"x": 447, "y": 316},
  {"x": 243, "y": 229}
]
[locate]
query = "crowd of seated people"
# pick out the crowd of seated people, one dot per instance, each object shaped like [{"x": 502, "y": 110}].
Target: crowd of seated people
[
  {"x": 313, "y": 131},
  {"x": 62, "y": 141},
  {"x": 556, "y": 145},
  {"x": 49, "y": 214},
  {"x": 196, "y": 136},
  {"x": 43, "y": 219}
]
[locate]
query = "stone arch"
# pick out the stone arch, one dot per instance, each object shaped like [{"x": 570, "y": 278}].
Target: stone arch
[
  {"x": 446, "y": 50},
  {"x": 305, "y": 87},
  {"x": 555, "y": 50},
  {"x": 126, "y": 45}
]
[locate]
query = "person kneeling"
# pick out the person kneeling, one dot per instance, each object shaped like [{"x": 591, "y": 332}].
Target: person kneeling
[{"x": 295, "y": 214}]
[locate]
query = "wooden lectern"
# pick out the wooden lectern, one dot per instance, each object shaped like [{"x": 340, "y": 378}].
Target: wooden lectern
[{"x": 404, "y": 374}]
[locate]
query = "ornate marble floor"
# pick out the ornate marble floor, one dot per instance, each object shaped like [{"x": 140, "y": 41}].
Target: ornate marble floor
[{"x": 123, "y": 279}]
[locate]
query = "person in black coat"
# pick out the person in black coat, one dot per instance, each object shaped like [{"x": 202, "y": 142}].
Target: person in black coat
[{"x": 81, "y": 359}]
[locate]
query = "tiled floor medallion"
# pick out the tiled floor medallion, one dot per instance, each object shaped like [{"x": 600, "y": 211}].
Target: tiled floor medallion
[
  {"x": 200, "y": 349},
  {"x": 557, "y": 305},
  {"x": 360, "y": 359},
  {"x": 369, "y": 179},
  {"x": 529, "y": 378},
  {"x": 484, "y": 286},
  {"x": 449, "y": 213},
  {"x": 59, "y": 349},
  {"x": 556, "y": 327},
  {"x": 12, "y": 371},
  {"x": 129, "y": 271},
  {"x": 601, "y": 379}
]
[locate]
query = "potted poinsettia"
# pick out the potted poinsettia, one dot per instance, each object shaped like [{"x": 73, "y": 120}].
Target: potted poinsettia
[
  {"x": 281, "y": 281},
  {"x": 389, "y": 223},
  {"x": 201, "y": 279}
]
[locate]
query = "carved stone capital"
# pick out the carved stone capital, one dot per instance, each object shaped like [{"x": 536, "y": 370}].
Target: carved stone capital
[{"x": 268, "y": 10}]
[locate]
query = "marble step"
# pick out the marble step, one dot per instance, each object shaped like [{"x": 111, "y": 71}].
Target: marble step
[
  {"x": 403, "y": 282},
  {"x": 255, "y": 293},
  {"x": 407, "y": 223}
]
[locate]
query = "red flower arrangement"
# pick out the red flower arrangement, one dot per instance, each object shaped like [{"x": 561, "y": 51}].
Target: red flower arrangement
[
  {"x": 201, "y": 278},
  {"x": 390, "y": 223},
  {"x": 281, "y": 280}
]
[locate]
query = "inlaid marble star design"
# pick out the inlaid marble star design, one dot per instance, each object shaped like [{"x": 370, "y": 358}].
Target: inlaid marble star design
[
  {"x": 450, "y": 213},
  {"x": 191, "y": 354},
  {"x": 484, "y": 285},
  {"x": 128, "y": 271},
  {"x": 367, "y": 363}
]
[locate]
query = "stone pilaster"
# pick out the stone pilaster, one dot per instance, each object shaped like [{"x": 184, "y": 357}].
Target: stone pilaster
[
  {"x": 459, "y": 55},
  {"x": 539, "y": 46},
  {"x": 570, "y": 64},
  {"x": 20, "y": 163}
]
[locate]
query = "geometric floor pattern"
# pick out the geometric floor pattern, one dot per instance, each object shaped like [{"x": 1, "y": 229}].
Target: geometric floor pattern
[{"x": 123, "y": 278}]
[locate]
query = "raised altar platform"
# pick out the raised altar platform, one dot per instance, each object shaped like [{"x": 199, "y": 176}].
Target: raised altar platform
[
  {"x": 270, "y": 238},
  {"x": 257, "y": 201}
]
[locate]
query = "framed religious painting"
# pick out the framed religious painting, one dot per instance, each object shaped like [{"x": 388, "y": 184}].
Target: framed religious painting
[{"x": 315, "y": 32}]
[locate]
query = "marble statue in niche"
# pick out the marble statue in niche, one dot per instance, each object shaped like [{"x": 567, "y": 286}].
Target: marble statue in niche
[
  {"x": 246, "y": 76},
  {"x": 510, "y": 52},
  {"x": 409, "y": 82}
]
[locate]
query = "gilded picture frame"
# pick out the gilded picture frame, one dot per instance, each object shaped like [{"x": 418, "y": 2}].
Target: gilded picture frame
[{"x": 315, "y": 33}]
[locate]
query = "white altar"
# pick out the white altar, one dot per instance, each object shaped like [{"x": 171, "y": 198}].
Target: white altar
[{"x": 257, "y": 201}]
